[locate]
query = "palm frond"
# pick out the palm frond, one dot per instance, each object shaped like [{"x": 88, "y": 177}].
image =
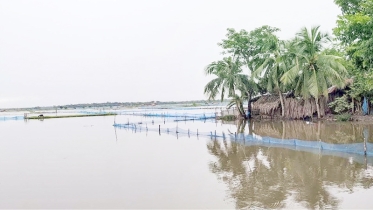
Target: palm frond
[
  {"x": 290, "y": 75},
  {"x": 313, "y": 85}
]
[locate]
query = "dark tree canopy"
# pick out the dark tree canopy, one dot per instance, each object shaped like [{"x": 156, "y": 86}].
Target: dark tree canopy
[{"x": 355, "y": 30}]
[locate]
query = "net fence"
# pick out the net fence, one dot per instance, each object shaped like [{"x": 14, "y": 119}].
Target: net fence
[
  {"x": 175, "y": 116},
  {"x": 6, "y": 118},
  {"x": 355, "y": 148}
]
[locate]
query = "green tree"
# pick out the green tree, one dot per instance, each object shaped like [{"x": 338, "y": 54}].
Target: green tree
[
  {"x": 362, "y": 85},
  {"x": 248, "y": 87},
  {"x": 237, "y": 44},
  {"x": 314, "y": 71},
  {"x": 355, "y": 30},
  {"x": 246, "y": 47},
  {"x": 229, "y": 76},
  {"x": 238, "y": 102},
  {"x": 277, "y": 57}
]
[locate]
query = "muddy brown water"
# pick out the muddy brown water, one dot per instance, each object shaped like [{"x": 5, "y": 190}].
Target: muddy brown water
[{"x": 87, "y": 163}]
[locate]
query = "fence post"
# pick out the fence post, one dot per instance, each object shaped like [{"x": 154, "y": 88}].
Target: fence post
[
  {"x": 159, "y": 129},
  {"x": 366, "y": 136},
  {"x": 197, "y": 132}
]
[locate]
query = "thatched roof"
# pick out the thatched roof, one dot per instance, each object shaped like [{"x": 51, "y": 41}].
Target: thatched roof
[
  {"x": 267, "y": 104},
  {"x": 334, "y": 88},
  {"x": 295, "y": 108}
]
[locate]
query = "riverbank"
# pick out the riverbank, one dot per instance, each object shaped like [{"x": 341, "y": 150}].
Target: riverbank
[{"x": 329, "y": 117}]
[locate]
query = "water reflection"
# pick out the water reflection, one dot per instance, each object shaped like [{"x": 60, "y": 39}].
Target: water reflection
[
  {"x": 270, "y": 177},
  {"x": 274, "y": 177},
  {"x": 326, "y": 131}
]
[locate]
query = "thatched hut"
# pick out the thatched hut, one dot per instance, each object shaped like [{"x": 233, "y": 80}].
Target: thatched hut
[
  {"x": 335, "y": 92},
  {"x": 269, "y": 106}
]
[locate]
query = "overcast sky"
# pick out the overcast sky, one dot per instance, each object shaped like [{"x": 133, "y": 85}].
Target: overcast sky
[{"x": 74, "y": 51}]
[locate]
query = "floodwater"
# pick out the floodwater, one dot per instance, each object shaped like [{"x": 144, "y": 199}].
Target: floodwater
[{"x": 88, "y": 163}]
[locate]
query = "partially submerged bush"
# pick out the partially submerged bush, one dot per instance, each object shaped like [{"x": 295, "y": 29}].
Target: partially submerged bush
[
  {"x": 228, "y": 118},
  {"x": 343, "y": 117},
  {"x": 340, "y": 105}
]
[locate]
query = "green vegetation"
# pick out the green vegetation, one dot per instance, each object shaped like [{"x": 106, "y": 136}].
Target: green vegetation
[
  {"x": 343, "y": 117},
  {"x": 258, "y": 62},
  {"x": 340, "y": 105},
  {"x": 228, "y": 118},
  {"x": 354, "y": 31}
]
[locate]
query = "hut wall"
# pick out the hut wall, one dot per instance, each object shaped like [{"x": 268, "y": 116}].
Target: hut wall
[{"x": 269, "y": 106}]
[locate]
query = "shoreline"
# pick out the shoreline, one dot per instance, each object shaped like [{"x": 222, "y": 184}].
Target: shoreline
[{"x": 329, "y": 117}]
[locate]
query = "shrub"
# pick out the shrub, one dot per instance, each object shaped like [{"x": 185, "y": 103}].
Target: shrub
[
  {"x": 343, "y": 117},
  {"x": 340, "y": 105},
  {"x": 228, "y": 118}
]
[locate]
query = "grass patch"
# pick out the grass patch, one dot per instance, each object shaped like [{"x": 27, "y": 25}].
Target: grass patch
[
  {"x": 228, "y": 118},
  {"x": 343, "y": 117},
  {"x": 69, "y": 116}
]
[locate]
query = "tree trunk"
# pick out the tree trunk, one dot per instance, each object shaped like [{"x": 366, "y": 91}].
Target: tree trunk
[
  {"x": 239, "y": 123},
  {"x": 318, "y": 108},
  {"x": 243, "y": 127},
  {"x": 282, "y": 104},
  {"x": 353, "y": 106},
  {"x": 250, "y": 127},
  {"x": 240, "y": 110},
  {"x": 249, "y": 106}
]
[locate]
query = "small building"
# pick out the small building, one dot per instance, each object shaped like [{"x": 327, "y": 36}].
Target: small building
[{"x": 269, "y": 106}]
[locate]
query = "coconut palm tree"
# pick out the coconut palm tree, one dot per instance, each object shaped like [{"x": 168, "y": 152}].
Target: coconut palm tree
[
  {"x": 314, "y": 71},
  {"x": 229, "y": 80},
  {"x": 248, "y": 87},
  {"x": 273, "y": 64},
  {"x": 238, "y": 101},
  {"x": 228, "y": 73}
]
